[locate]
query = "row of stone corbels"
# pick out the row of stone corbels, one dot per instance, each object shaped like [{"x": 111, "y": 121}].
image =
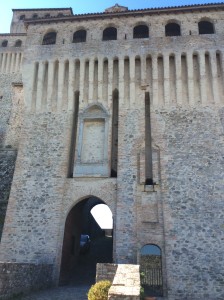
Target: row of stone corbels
[
  {"x": 10, "y": 62},
  {"x": 67, "y": 84}
]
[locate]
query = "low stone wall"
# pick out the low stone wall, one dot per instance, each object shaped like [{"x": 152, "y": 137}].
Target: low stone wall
[
  {"x": 17, "y": 279},
  {"x": 105, "y": 272},
  {"x": 125, "y": 280}
]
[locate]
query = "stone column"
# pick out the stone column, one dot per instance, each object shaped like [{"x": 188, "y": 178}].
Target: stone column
[
  {"x": 121, "y": 81},
  {"x": 155, "y": 80},
  {"x": 132, "y": 81},
  {"x": 178, "y": 78},
  {"x": 71, "y": 81},
  {"x": 203, "y": 87},
  {"x": 40, "y": 81},
  {"x": 166, "y": 66}
]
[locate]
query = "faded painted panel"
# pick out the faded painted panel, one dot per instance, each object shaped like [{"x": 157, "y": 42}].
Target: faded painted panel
[{"x": 93, "y": 141}]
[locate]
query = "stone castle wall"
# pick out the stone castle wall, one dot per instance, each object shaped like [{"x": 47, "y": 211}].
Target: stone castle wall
[{"x": 182, "y": 212}]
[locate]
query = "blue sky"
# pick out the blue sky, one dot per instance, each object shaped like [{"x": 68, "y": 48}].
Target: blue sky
[{"x": 84, "y": 6}]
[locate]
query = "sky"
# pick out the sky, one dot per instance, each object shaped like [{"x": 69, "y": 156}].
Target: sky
[
  {"x": 84, "y": 6},
  {"x": 103, "y": 216}
]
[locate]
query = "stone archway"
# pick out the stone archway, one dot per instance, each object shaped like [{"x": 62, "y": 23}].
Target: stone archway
[{"x": 79, "y": 266}]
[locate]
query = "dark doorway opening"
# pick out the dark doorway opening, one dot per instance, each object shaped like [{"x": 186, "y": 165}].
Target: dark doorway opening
[
  {"x": 78, "y": 263},
  {"x": 151, "y": 270}
]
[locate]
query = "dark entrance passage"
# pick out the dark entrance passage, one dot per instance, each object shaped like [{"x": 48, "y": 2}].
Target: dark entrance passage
[{"x": 79, "y": 258}]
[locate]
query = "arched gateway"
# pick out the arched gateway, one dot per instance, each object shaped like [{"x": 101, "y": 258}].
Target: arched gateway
[{"x": 85, "y": 243}]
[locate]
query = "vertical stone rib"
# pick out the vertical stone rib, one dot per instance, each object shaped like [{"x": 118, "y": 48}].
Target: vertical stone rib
[
  {"x": 13, "y": 63},
  {"x": 215, "y": 88},
  {"x": 110, "y": 80},
  {"x": 1, "y": 58},
  {"x": 17, "y": 62},
  {"x": 3, "y": 63},
  {"x": 178, "y": 78},
  {"x": 190, "y": 78},
  {"x": 82, "y": 79},
  {"x": 61, "y": 75},
  {"x": 20, "y": 61},
  {"x": 8, "y": 62},
  {"x": 45, "y": 87},
  {"x": 30, "y": 74},
  {"x": 202, "y": 73},
  {"x": 166, "y": 65},
  {"x": 154, "y": 80},
  {"x": 121, "y": 81},
  {"x": 40, "y": 80},
  {"x": 100, "y": 79},
  {"x": 143, "y": 70},
  {"x": 71, "y": 86},
  {"x": 132, "y": 81},
  {"x": 50, "y": 85},
  {"x": 91, "y": 80}
]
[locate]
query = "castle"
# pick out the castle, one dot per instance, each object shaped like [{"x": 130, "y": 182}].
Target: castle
[{"x": 126, "y": 108}]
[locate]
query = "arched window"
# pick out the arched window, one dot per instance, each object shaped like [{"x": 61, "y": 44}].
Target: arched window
[
  {"x": 47, "y": 15},
  {"x": 22, "y": 17},
  {"x": 60, "y": 15},
  {"x": 110, "y": 34},
  {"x": 49, "y": 38},
  {"x": 35, "y": 16},
  {"x": 18, "y": 43},
  {"x": 79, "y": 36},
  {"x": 151, "y": 270},
  {"x": 141, "y": 32},
  {"x": 5, "y": 43},
  {"x": 205, "y": 27},
  {"x": 172, "y": 29}
]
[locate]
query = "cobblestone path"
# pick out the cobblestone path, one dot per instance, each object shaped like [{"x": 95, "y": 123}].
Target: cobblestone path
[{"x": 60, "y": 293}]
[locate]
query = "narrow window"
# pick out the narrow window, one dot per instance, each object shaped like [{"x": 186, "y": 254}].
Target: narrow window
[
  {"x": 47, "y": 15},
  {"x": 22, "y": 17},
  {"x": 5, "y": 43},
  {"x": 172, "y": 29},
  {"x": 79, "y": 36},
  {"x": 140, "y": 32},
  {"x": 18, "y": 43},
  {"x": 114, "y": 146},
  {"x": 148, "y": 143},
  {"x": 60, "y": 15},
  {"x": 110, "y": 34},
  {"x": 49, "y": 38},
  {"x": 151, "y": 270},
  {"x": 73, "y": 136},
  {"x": 35, "y": 16},
  {"x": 205, "y": 27}
]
